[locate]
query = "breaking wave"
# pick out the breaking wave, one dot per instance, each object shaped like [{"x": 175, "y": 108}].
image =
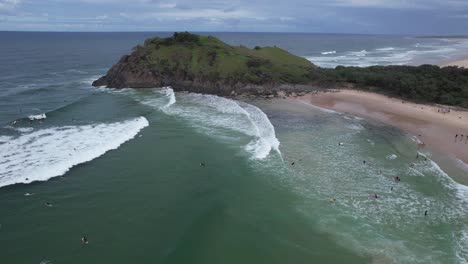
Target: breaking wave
[
  {"x": 51, "y": 152},
  {"x": 37, "y": 117}
]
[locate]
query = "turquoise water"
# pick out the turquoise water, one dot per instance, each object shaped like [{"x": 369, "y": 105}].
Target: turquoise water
[
  {"x": 123, "y": 168},
  {"x": 151, "y": 201}
]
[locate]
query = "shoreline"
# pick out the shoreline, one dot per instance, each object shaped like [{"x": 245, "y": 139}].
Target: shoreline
[
  {"x": 427, "y": 123},
  {"x": 460, "y": 62}
]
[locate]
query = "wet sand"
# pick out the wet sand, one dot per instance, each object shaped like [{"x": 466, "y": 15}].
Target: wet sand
[{"x": 437, "y": 130}]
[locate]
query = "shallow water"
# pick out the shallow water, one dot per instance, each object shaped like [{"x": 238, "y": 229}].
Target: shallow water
[{"x": 123, "y": 167}]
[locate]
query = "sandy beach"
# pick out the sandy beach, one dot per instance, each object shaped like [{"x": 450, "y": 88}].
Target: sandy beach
[
  {"x": 437, "y": 130},
  {"x": 463, "y": 62}
]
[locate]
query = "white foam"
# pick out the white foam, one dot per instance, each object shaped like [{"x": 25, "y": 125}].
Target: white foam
[
  {"x": 212, "y": 113},
  {"x": 169, "y": 92},
  {"x": 328, "y": 52},
  {"x": 391, "y": 156},
  {"x": 37, "y": 117},
  {"x": 24, "y": 129},
  {"x": 265, "y": 140},
  {"x": 4, "y": 139},
  {"x": 51, "y": 152},
  {"x": 386, "y": 49},
  {"x": 461, "y": 246},
  {"x": 318, "y": 107}
]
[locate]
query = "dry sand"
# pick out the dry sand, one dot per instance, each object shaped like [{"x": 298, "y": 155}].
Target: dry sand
[
  {"x": 435, "y": 129},
  {"x": 459, "y": 63}
]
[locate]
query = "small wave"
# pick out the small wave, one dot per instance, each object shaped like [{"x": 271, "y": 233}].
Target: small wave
[
  {"x": 37, "y": 117},
  {"x": 391, "y": 157},
  {"x": 356, "y": 127},
  {"x": 51, "y": 152},
  {"x": 265, "y": 132},
  {"x": 210, "y": 112},
  {"x": 386, "y": 49},
  {"x": 328, "y": 52},
  {"x": 24, "y": 129},
  {"x": 361, "y": 53},
  {"x": 169, "y": 92}
]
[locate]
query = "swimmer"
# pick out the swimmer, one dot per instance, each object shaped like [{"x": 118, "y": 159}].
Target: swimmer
[
  {"x": 84, "y": 240},
  {"x": 292, "y": 164},
  {"x": 202, "y": 164},
  {"x": 425, "y": 213},
  {"x": 363, "y": 162},
  {"x": 391, "y": 189}
]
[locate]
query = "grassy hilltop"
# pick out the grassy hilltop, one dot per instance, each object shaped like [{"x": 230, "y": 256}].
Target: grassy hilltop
[
  {"x": 205, "y": 64},
  {"x": 206, "y": 57}
]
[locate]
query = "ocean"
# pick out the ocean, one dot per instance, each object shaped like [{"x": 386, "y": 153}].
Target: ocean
[{"x": 154, "y": 176}]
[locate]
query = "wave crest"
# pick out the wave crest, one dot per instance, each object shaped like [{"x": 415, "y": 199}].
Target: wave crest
[{"x": 51, "y": 152}]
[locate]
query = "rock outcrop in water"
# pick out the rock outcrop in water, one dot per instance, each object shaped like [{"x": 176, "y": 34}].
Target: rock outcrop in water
[{"x": 205, "y": 64}]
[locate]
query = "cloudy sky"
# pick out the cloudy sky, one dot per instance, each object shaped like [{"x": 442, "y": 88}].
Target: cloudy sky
[{"x": 323, "y": 16}]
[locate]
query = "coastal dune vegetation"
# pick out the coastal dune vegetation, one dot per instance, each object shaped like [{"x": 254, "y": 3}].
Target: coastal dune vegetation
[{"x": 206, "y": 64}]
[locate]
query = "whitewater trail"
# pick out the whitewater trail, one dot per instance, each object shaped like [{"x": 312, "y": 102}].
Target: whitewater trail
[
  {"x": 211, "y": 113},
  {"x": 51, "y": 152}
]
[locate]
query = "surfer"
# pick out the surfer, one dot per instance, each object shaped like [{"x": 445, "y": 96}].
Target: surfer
[
  {"x": 340, "y": 144},
  {"x": 28, "y": 194},
  {"x": 292, "y": 164},
  {"x": 397, "y": 179},
  {"x": 363, "y": 162},
  {"x": 202, "y": 164},
  {"x": 425, "y": 213},
  {"x": 374, "y": 196},
  {"x": 48, "y": 204},
  {"x": 391, "y": 189},
  {"x": 84, "y": 240},
  {"x": 332, "y": 200}
]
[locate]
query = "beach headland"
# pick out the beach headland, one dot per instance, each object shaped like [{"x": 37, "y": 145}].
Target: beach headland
[{"x": 433, "y": 125}]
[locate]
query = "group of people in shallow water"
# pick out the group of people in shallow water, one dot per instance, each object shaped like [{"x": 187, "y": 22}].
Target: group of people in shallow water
[
  {"x": 459, "y": 138},
  {"x": 396, "y": 179}
]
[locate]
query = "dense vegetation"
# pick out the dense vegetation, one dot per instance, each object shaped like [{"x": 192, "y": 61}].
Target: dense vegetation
[
  {"x": 193, "y": 56},
  {"x": 425, "y": 83}
]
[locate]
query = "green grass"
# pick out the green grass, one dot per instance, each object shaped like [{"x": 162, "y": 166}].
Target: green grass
[{"x": 208, "y": 57}]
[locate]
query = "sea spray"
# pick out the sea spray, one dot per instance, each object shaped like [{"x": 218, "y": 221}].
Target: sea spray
[{"x": 51, "y": 152}]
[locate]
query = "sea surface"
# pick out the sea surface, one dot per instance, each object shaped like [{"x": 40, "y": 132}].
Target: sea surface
[{"x": 154, "y": 176}]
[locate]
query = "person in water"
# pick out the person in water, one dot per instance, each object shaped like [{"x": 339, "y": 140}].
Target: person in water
[
  {"x": 374, "y": 196},
  {"x": 84, "y": 240},
  {"x": 48, "y": 204},
  {"x": 425, "y": 213},
  {"x": 292, "y": 164},
  {"x": 202, "y": 164}
]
